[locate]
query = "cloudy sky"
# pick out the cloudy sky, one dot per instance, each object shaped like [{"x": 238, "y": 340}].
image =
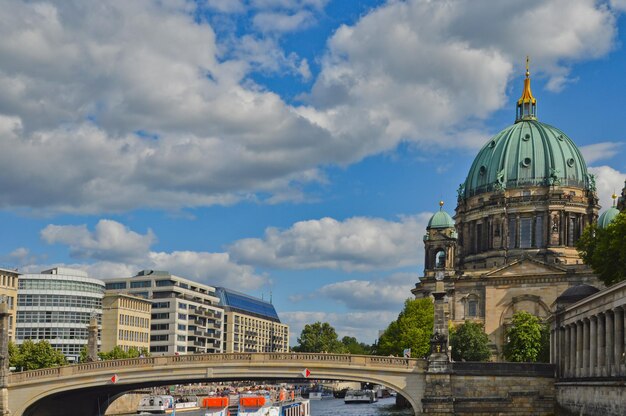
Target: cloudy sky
[{"x": 291, "y": 147}]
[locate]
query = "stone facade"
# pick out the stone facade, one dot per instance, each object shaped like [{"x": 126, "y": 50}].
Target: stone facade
[
  {"x": 491, "y": 389},
  {"x": 125, "y": 322},
  {"x": 8, "y": 290},
  {"x": 588, "y": 340}
]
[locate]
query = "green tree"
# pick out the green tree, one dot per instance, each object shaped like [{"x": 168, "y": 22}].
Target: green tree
[
  {"x": 352, "y": 346},
  {"x": 412, "y": 329},
  {"x": 33, "y": 356},
  {"x": 319, "y": 337},
  {"x": 14, "y": 355},
  {"x": 525, "y": 338},
  {"x": 469, "y": 342},
  {"x": 604, "y": 249}
]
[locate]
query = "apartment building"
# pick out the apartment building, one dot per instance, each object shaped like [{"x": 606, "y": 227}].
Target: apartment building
[
  {"x": 8, "y": 292},
  {"x": 185, "y": 318},
  {"x": 125, "y": 322},
  {"x": 251, "y": 324}
]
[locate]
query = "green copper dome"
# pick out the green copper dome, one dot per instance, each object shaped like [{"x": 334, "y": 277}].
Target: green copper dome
[
  {"x": 607, "y": 216},
  {"x": 528, "y": 153},
  {"x": 441, "y": 219}
]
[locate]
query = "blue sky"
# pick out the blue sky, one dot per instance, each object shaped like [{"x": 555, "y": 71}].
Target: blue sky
[{"x": 291, "y": 147}]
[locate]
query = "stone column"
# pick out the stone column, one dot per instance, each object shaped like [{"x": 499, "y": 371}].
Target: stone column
[
  {"x": 4, "y": 357},
  {"x": 610, "y": 342},
  {"x": 92, "y": 339},
  {"x": 619, "y": 339},
  {"x": 593, "y": 346},
  {"x": 572, "y": 350},
  {"x": 562, "y": 351},
  {"x": 579, "y": 348},
  {"x": 585, "y": 370},
  {"x": 438, "y": 399},
  {"x": 601, "y": 345}
]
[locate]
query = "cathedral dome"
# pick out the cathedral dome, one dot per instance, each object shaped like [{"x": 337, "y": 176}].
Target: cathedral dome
[
  {"x": 440, "y": 219},
  {"x": 528, "y": 153},
  {"x": 607, "y": 216}
]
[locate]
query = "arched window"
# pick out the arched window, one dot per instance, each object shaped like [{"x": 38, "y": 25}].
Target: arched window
[{"x": 440, "y": 259}]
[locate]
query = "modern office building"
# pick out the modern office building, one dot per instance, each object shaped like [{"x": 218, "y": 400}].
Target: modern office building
[
  {"x": 186, "y": 318},
  {"x": 125, "y": 322},
  {"x": 8, "y": 291},
  {"x": 56, "y": 305},
  {"x": 251, "y": 324}
]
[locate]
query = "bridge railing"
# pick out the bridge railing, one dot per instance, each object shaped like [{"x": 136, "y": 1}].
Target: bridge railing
[{"x": 343, "y": 359}]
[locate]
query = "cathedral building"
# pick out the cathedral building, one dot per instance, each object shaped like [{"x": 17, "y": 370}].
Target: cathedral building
[{"x": 511, "y": 244}]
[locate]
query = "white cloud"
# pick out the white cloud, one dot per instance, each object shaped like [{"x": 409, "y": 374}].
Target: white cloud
[
  {"x": 110, "y": 241},
  {"x": 216, "y": 269},
  {"x": 599, "y": 151},
  {"x": 388, "y": 293},
  {"x": 111, "y": 106},
  {"x": 113, "y": 250},
  {"x": 419, "y": 70},
  {"x": 608, "y": 180},
  {"x": 283, "y": 22},
  {"x": 361, "y": 325},
  {"x": 355, "y": 244}
]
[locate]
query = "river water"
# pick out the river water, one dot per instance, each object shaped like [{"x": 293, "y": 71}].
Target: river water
[{"x": 336, "y": 407}]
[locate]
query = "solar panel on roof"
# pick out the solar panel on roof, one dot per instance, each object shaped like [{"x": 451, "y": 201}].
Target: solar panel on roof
[{"x": 249, "y": 304}]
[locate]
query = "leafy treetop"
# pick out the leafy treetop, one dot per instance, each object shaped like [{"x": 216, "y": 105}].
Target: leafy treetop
[{"x": 604, "y": 249}]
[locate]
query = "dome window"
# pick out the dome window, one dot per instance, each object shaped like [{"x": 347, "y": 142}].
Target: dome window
[
  {"x": 526, "y": 137},
  {"x": 526, "y": 162},
  {"x": 492, "y": 143},
  {"x": 570, "y": 162},
  {"x": 560, "y": 137},
  {"x": 482, "y": 171}
]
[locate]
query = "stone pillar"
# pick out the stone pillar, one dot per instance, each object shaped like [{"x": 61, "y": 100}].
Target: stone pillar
[
  {"x": 610, "y": 342},
  {"x": 553, "y": 346},
  {"x": 601, "y": 345},
  {"x": 438, "y": 399},
  {"x": 4, "y": 357},
  {"x": 593, "y": 346},
  {"x": 562, "y": 352},
  {"x": 567, "y": 350},
  {"x": 579, "y": 348},
  {"x": 585, "y": 368},
  {"x": 572, "y": 350},
  {"x": 92, "y": 339},
  {"x": 619, "y": 340}
]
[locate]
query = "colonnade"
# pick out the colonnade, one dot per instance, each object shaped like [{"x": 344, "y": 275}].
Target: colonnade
[{"x": 592, "y": 346}]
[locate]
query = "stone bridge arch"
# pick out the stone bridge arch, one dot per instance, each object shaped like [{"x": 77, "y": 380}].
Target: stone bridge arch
[{"x": 87, "y": 389}]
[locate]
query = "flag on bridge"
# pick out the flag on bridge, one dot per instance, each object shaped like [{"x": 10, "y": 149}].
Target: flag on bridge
[
  {"x": 114, "y": 378},
  {"x": 407, "y": 353}
]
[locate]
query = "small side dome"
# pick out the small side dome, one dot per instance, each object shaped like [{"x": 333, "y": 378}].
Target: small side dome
[
  {"x": 607, "y": 216},
  {"x": 441, "y": 219},
  {"x": 576, "y": 293}
]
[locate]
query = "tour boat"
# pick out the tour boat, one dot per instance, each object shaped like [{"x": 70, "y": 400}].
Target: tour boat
[
  {"x": 320, "y": 394},
  {"x": 216, "y": 406},
  {"x": 166, "y": 404},
  {"x": 262, "y": 405},
  {"x": 360, "y": 396}
]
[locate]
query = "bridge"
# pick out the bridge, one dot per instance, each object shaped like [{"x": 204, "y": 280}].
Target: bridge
[{"x": 88, "y": 389}]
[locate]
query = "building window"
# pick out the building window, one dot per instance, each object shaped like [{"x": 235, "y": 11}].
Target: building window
[
  {"x": 472, "y": 308},
  {"x": 525, "y": 234},
  {"x": 440, "y": 259},
  {"x": 141, "y": 283}
]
